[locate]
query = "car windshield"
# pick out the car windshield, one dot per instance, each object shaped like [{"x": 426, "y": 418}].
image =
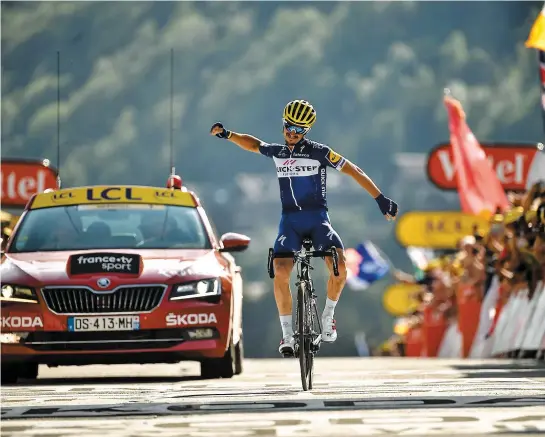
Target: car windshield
[{"x": 115, "y": 226}]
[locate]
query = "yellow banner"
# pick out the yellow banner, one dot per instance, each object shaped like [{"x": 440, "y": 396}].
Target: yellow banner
[
  {"x": 437, "y": 229},
  {"x": 536, "y": 39},
  {"x": 113, "y": 194},
  {"x": 398, "y": 299}
]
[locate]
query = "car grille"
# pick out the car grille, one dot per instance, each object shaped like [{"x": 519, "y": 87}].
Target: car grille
[{"x": 81, "y": 300}]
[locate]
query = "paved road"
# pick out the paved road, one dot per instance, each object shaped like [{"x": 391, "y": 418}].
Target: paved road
[{"x": 352, "y": 397}]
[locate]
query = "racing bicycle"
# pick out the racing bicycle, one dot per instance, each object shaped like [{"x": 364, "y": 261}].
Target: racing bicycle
[{"x": 308, "y": 331}]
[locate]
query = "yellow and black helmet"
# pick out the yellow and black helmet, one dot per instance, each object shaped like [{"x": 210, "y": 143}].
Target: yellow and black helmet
[{"x": 300, "y": 113}]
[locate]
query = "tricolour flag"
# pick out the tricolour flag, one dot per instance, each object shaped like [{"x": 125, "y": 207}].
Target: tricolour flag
[{"x": 365, "y": 265}]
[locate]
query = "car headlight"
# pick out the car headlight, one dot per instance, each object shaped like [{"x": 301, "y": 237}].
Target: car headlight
[
  {"x": 18, "y": 293},
  {"x": 202, "y": 288}
]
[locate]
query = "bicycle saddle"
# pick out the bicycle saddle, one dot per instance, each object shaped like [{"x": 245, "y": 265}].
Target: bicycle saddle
[{"x": 307, "y": 243}]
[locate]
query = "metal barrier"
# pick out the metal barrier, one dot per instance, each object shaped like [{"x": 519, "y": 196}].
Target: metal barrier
[{"x": 519, "y": 331}]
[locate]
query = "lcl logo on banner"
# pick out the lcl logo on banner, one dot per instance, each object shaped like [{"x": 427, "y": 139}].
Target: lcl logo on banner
[
  {"x": 518, "y": 166},
  {"x": 437, "y": 229}
]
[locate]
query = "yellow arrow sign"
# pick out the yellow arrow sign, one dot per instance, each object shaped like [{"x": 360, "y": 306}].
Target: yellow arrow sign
[{"x": 398, "y": 299}]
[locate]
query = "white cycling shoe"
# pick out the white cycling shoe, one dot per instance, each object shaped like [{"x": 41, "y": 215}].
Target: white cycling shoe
[
  {"x": 287, "y": 345},
  {"x": 329, "y": 330}
]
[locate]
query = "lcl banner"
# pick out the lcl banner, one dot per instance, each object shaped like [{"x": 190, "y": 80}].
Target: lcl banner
[
  {"x": 437, "y": 229},
  {"x": 518, "y": 166}
]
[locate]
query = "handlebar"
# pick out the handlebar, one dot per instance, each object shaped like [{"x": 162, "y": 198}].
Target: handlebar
[{"x": 332, "y": 252}]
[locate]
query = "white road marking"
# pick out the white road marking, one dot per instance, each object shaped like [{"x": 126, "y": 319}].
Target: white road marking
[{"x": 360, "y": 396}]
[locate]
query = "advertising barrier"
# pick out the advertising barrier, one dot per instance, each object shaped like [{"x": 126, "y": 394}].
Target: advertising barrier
[
  {"x": 23, "y": 178},
  {"x": 517, "y": 165},
  {"x": 518, "y": 332},
  {"x": 434, "y": 327}
]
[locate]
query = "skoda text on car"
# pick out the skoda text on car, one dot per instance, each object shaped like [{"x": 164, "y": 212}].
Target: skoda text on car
[{"x": 120, "y": 274}]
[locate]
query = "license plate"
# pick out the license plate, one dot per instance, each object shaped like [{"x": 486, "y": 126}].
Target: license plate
[{"x": 107, "y": 323}]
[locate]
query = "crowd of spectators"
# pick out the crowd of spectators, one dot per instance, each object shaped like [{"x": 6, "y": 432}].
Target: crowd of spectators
[{"x": 453, "y": 285}]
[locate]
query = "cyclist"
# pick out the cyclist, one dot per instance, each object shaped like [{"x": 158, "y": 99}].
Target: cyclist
[{"x": 301, "y": 169}]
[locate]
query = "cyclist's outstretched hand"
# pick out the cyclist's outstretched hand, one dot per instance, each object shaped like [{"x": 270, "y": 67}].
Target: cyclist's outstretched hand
[
  {"x": 387, "y": 207},
  {"x": 218, "y": 130}
]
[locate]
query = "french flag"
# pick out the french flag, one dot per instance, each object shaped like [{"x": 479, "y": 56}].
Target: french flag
[{"x": 365, "y": 265}]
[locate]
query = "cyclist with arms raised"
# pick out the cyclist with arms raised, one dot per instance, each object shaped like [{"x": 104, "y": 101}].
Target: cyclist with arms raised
[{"x": 301, "y": 168}]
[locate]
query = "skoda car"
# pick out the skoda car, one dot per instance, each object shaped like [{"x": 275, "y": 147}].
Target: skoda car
[{"x": 120, "y": 274}]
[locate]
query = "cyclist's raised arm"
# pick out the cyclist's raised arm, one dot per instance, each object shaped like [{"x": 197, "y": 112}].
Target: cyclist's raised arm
[
  {"x": 247, "y": 142},
  {"x": 244, "y": 141},
  {"x": 361, "y": 178},
  {"x": 387, "y": 206},
  {"x": 340, "y": 163}
]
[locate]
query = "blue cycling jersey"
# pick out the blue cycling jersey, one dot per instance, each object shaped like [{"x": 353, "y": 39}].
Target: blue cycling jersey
[{"x": 302, "y": 173}]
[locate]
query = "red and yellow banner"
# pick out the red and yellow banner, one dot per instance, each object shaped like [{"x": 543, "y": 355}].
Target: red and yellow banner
[
  {"x": 22, "y": 178},
  {"x": 515, "y": 165}
]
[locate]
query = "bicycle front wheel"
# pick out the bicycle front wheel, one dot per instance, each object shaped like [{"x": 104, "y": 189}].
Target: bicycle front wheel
[
  {"x": 314, "y": 330},
  {"x": 305, "y": 353}
]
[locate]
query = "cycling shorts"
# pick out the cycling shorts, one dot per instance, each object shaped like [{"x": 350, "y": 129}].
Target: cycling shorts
[{"x": 297, "y": 225}]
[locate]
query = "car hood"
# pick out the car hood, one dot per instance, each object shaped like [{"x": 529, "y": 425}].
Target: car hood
[{"x": 157, "y": 266}]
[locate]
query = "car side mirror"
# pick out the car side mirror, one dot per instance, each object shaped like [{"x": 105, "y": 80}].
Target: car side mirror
[{"x": 233, "y": 242}]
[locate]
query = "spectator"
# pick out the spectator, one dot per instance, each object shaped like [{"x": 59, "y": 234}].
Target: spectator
[{"x": 512, "y": 250}]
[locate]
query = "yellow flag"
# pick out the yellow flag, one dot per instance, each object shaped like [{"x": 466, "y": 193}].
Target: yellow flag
[{"x": 536, "y": 39}]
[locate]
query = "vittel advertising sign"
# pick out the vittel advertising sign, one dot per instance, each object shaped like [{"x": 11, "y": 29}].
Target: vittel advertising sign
[
  {"x": 517, "y": 165},
  {"x": 23, "y": 178}
]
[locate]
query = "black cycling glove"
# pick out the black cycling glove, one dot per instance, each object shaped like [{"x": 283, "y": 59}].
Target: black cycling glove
[
  {"x": 225, "y": 134},
  {"x": 387, "y": 206}
]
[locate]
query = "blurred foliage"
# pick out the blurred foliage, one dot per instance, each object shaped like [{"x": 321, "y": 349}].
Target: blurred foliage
[{"x": 375, "y": 71}]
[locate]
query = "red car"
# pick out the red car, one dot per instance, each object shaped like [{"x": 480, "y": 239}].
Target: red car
[{"x": 120, "y": 274}]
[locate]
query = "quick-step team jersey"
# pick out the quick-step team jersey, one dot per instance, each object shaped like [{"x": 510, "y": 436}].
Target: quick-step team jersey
[{"x": 302, "y": 173}]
